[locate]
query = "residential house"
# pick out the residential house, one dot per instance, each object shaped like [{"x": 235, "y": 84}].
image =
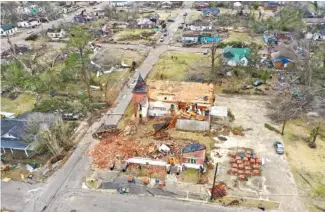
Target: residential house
[
  {"x": 83, "y": 18},
  {"x": 145, "y": 23},
  {"x": 190, "y": 38},
  {"x": 274, "y": 38},
  {"x": 193, "y": 156},
  {"x": 320, "y": 35},
  {"x": 200, "y": 25},
  {"x": 270, "y": 38},
  {"x": 120, "y": 3},
  {"x": 8, "y": 30},
  {"x": 236, "y": 56},
  {"x": 211, "y": 11},
  {"x": 56, "y": 34},
  {"x": 271, "y": 5},
  {"x": 34, "y": 23},
  {"x": 283, "y": 58},
  {"x": 154, "y": 17},
  {"x": 13, "y": 133},
  {"x": 206, "y": 38},
  {"x": 166, "y": 5},
  {"x": 99, "y": 12},
  {"x": 23, "y": 24},
  {"x": 316, "y": 33},
  {"x": 201, "y": 5}
]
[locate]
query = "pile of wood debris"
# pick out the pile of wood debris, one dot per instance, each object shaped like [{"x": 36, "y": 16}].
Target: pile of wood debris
[{"x": 116, "y": 149}]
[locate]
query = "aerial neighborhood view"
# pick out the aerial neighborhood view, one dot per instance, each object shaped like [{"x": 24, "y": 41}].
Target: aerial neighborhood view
[{"x": 162, "y": 106}]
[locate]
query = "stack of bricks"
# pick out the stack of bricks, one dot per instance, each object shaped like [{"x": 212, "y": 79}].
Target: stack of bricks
[{"x": 244, "y": 164}]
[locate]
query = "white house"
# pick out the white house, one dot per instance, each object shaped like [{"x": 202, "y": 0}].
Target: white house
[
  {"x": 56, "y": 34},
  {"x": 8, "y": 30},
  {"x": 34, "y": 24},
  {"x": 23, "y": 24}
]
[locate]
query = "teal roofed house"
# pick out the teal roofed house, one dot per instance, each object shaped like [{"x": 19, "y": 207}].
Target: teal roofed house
[
  {"x": 8, "y": 30},
  {"x": 236, "y": 56}
]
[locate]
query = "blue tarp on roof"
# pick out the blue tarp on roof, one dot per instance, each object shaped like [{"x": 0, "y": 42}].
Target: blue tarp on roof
[
  {"x": 273, "y": 3},
  {"x": 211, "y": 10},
  {"x": 283, "y": 60},
  {"x": 193, "y": 147}
]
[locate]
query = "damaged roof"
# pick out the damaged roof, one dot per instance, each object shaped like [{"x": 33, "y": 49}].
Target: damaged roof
[
  {"x": 140, "y": 86},
  {"x": 186, "y": 92},
  {"x": 193, "y": 148}
]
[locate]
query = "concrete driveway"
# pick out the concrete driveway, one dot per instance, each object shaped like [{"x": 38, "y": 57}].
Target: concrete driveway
[{"x": 277, "y": 182}]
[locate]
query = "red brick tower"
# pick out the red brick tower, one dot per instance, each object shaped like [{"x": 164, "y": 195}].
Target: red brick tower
[{"x": 140, "y": 91}]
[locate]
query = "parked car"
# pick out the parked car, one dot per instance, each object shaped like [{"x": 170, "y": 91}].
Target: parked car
[
  {"x": 30, "y": 32},
  {"x": 161, "y": 39},
  {"x": 70, "y": 116},
  {"x": 205, "y": 51},
  {"x": 279, "y": 148},
  {"x": 257, "y": 83}
]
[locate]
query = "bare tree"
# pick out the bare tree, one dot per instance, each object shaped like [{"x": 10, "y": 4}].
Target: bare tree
[
  {"x": 290, "y": 107},
  {"x": 48, "y": 131},
  {"x": 214, "y": 56}
]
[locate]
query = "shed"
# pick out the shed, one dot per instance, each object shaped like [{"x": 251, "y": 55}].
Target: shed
[{"x": 219, "y": 112}]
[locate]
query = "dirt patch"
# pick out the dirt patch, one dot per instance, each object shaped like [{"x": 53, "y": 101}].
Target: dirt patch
[{"x": 249, "y": 203}]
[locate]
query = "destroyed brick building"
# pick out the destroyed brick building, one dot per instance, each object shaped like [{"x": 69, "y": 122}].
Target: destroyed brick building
[{"x": 188, "y": 103}]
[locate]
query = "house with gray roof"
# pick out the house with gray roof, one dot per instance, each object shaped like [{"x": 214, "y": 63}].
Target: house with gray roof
[{"x": 14, "y": 136}]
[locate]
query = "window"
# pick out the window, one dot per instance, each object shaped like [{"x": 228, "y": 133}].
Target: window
[{"x": 191, "y": 160}]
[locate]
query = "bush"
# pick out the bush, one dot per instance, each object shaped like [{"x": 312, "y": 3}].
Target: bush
[
  {"x": 234, "y": 44},
  {"x": 268, "y": 126},
  {"x": 52, "y": 104},
  {"x": 231, "y": 116}
]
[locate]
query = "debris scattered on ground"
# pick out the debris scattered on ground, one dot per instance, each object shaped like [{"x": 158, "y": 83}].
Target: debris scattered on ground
[
  {"x": 116, "y": 149},
  {"x": 130, "y": 130},
  {"x": 219, "y": 191},
  {"x": 244, "y": 164}
]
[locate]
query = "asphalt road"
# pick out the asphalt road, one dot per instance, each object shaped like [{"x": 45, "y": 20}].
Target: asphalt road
[
  {"x": 99, "y": 201},
  {"x": 20, "y": 38}
]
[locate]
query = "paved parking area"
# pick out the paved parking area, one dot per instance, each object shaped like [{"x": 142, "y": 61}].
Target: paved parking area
[{"x": 276, "y": 182}]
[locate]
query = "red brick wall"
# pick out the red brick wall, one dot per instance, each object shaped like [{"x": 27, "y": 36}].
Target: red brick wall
[
  {"x": 137, "y": 97},
  {"x": 199, "y": 156}
]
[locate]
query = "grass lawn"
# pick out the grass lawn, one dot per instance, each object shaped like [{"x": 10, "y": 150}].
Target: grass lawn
[
  {"x": 129, "y": 33},
  {"x": 243, "y": 37},
  {"x": 307, "y": 165},
  {"x": 193, "y": 15},
  {"x": 23, "y": 103},
  {"x": 190, "y": 176},
  {"x": 175, "y": 69},
  {"x": 165, "y": 14}
]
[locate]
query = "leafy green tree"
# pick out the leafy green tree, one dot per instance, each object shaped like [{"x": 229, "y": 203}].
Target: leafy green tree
[{"x": 79, "y": 59}]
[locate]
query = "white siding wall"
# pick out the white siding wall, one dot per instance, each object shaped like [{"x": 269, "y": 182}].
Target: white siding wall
[{"x": 192, "y": 125}]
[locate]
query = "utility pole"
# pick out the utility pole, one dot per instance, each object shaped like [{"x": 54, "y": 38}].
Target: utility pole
[{"x": 214, "y": 180}]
